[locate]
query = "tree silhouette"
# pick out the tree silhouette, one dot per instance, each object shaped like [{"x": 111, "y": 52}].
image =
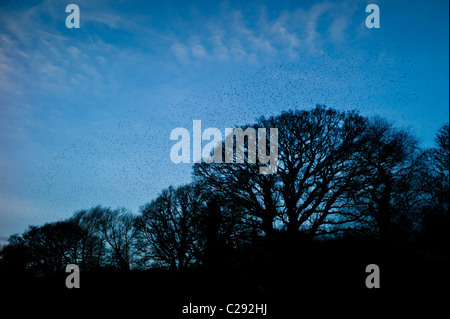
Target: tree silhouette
[
  {"x": 15, "y": 256},
  {"x": 435, "y": 213},
  {"x": 116, "y": 230},
  {"x": 168, "y": 231},
  {"x": 237, "y": 181},
  {"x": 439, "y": 169},
  {"x": 315, "y": 167},
  {"x": 389, "y": 191},
  {"x": 340, "y": 179},
  {"x": 51, "y": 247}
]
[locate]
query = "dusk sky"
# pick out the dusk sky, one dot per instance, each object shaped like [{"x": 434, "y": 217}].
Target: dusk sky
[{"x": 86, "y": 114}]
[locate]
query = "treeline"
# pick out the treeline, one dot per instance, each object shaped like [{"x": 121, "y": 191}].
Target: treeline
[{"x": 341, "y": 176}]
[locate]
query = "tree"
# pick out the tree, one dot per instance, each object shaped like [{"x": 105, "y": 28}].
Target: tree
[
  {"x": 15, "y": 256},
  {"x": 51, "y": 247},
  {"x": 92, "y": 249},
  {"x": 240, "y": 183},
  {"x": 389, "y": 192},
  {"x": 115, "y": 228},
  {"x": 317, "y": 156},
  {"x": 439, "y": 174},
  {"x": 168, "y": 230},
  {"x": 315, "y": 168},
  {"x": 435, "y": 214}
]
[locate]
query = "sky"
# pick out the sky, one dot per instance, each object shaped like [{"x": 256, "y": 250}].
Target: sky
[{"x": 86, "y": 113}]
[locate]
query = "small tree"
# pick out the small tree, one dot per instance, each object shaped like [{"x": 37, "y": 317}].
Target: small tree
[
  {"x": 168, "y": 230},
  {"x": 115, "y": 228}
]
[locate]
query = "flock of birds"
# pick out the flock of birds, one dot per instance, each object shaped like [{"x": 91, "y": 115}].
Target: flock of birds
[{"x": 125, "y": 162}]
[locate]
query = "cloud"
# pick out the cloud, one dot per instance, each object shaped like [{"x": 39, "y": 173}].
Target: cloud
[
  {"x": 48, "y": 63},
  {"x": 219, "y": 49},
  {"x": 231, "y": 35},
  {"x": 338, "y": 28},
  {"x": 199, "y": 51},
  {"x": 44, "y": 68},
  {"x": 180, "y": 51}
]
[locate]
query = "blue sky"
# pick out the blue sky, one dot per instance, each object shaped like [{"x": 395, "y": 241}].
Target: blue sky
[{"x": 86, "y": 114}]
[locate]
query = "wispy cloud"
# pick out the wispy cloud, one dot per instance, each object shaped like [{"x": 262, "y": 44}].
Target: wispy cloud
[
  {"x": 181, "y": 52},
  {"x": 43, "y": 64},
  {"x": 39, "y": 58},
  {"x": 230, "y": 35}
]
